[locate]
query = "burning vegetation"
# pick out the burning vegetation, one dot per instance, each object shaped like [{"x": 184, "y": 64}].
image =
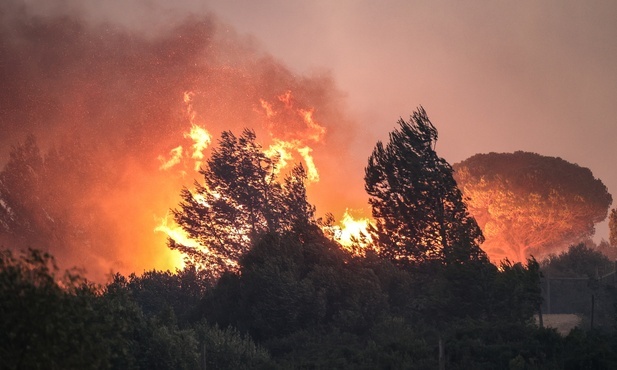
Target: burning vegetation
[
  {"x": 106, "y": 124},
  {"x": 120, "y": 120},
  {"x": 123, "y": 143}
]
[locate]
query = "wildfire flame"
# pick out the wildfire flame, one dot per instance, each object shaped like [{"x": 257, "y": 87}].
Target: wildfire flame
[
  {"x": 200, "y": 136},
  {"x": 351, "y": 231},
  {"x": 316, "y": 131},
  {"x": 311, "y": 171},
  {"x": 202, "y": 139},
  {"x": 175, "y": 232},
  {"x": 283, "y": 149}
]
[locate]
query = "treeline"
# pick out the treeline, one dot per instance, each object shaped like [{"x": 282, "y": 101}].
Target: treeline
[
  {"x": 292, "y": 304},
  {"x": 267, "y": 287}
]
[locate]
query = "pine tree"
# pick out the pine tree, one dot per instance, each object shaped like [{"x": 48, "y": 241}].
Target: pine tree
[
  {"x": 240, "y": 200},
  {"x": 418, "y": 209}
]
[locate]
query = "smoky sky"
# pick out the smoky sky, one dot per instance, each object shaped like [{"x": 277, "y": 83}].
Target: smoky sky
[
  {"x": 110, "y": 76},
  {"x": 499, "y": 76}
]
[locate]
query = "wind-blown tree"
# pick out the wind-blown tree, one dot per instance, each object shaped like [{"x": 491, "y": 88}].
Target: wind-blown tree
[
  {"x": 527, "y": 203},
  {"x": 240, "y": 199},
  {"x": 418, "y": 209}
]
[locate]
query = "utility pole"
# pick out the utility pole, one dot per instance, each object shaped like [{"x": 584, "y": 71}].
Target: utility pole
[{"x": 442, "y": 356}]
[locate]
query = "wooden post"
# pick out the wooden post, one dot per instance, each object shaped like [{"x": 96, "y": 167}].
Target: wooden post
[
  {"x": 548, "y": 294},
  {"x": 442, "y": 357},
  {"x": 593, "y": 303}
]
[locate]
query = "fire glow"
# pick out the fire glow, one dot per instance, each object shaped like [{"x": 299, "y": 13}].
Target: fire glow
[
  {"x": 120, "y": 142},
  {"x": 350, "y": 232}
]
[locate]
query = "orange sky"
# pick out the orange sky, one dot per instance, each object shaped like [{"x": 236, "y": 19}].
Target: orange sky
[{"x": 493, "y": 76}]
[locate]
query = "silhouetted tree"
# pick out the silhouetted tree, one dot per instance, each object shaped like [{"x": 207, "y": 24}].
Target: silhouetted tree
[
  {"x": 527, "y": 204},
  {"x": 418, "y": 209},
  {"x": 578, "y": 261},
  {"x": 240, "y": 199}
]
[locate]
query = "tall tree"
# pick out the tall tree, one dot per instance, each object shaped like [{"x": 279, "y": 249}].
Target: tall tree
[
  {"x": 240, "y": 199},
  {"x": 419, "y": 211},
  {"x": 527, "y": 203}
]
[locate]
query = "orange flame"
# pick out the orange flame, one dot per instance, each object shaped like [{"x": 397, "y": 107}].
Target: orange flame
[
  {"x": 283, "y": 150},
  {"x": 267, "y": 108},
  {"x": 317, "y": 132},
  {"x": 201, "y": 138},
  {"x": 352, "y": 233},
  {"x": 280, "y": 148},
  {"x": 175, "y": 232},
  {"x": 286, "y": 99},
  {"x": 311, "y": 170}
]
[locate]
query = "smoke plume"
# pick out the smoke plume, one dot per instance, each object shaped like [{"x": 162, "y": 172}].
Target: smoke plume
[{"x": 106, "y": 104}]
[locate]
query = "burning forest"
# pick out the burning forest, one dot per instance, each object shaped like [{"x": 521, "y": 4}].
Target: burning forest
[
  {"x": 103, "y": 124},
  {"x": 116, "y": 122},
  {"x": 172, "y": 196}
]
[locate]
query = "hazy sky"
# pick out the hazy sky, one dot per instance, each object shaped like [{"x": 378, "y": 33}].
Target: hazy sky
[{"x": 499, "y": 76}]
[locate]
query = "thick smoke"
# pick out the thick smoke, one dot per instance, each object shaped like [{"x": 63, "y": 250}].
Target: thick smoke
[{"x": 104, "y": 101}]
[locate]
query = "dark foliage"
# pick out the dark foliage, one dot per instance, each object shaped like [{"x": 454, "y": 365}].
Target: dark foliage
[
  {"x": 418, "y": 209},
  {"x": 295, "y": 298}
]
